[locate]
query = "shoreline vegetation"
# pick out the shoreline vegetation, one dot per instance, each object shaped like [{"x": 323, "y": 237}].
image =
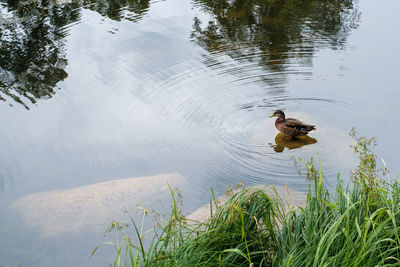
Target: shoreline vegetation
[{"x": 357, "y": 225}]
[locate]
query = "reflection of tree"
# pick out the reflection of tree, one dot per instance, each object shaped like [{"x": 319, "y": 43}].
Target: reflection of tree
[
  {"x": 32, "y": 57},
  {"x": 273, "y": 31},
  {"x": 32, "y": 54},
  {"x": 132, "y": 10}
]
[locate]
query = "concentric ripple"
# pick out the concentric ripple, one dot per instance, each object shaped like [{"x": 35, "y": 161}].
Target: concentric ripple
[{"x": 229, "y": 103}]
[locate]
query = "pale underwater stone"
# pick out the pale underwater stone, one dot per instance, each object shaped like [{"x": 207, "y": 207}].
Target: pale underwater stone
[{"x": 91, "y": 206}]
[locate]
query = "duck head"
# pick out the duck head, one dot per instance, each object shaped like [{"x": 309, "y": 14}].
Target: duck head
[{"x": 278, "y": 113}]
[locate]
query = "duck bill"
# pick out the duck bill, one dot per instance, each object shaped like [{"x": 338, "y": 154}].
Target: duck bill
[{"x": 272, "y": 115}]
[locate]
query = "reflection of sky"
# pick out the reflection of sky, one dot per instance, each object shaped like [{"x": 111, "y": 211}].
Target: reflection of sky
[
  {"x": 363, "y": 75},
  {"x": 138, "y": 101},
  {"x": 104, "y": 68}
]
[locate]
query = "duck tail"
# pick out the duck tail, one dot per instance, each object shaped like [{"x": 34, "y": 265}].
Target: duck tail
[{"x": 310, "y": 128}]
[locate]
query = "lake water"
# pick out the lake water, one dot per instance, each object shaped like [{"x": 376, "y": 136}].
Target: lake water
[{"x": 96, "y": 92}]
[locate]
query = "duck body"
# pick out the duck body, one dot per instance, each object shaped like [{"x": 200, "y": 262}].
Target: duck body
[{"x": 290, "y": 126}]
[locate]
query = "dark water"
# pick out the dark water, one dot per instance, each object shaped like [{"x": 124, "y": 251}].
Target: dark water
[{"x": 95, "y": 91}]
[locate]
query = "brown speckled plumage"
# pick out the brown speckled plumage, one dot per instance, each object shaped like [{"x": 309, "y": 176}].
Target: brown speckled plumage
[{"x": 291, "y": 127}]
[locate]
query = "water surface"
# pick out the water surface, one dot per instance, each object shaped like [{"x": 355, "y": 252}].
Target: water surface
[{"x": 98, "y": 91}]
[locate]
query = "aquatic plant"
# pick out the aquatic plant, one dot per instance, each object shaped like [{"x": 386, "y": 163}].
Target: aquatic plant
[{"x": 358, "y": 226}]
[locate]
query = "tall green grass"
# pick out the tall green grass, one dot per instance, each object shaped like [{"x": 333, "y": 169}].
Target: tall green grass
[
  {"x": 241, "y": 232},
  {"x": 358, "y": 225}
]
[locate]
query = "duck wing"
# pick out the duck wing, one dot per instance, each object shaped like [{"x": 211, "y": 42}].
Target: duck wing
[{"x": 298, "y": 125}]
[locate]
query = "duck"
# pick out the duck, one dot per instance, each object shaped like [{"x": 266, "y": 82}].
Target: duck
[{"x": 291, "y": 127}]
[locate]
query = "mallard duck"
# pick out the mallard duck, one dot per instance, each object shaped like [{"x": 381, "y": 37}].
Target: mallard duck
[{"x": 289, "y": 126}]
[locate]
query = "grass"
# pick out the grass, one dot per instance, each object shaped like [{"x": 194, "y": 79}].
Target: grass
[{"x": 359, "y": 225}]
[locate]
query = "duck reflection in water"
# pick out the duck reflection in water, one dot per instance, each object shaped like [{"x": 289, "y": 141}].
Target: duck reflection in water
[{"x": 282, "y": 141}]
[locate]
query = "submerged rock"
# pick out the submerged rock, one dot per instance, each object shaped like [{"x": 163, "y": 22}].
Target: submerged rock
[{"x": 91, "y": 206}]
